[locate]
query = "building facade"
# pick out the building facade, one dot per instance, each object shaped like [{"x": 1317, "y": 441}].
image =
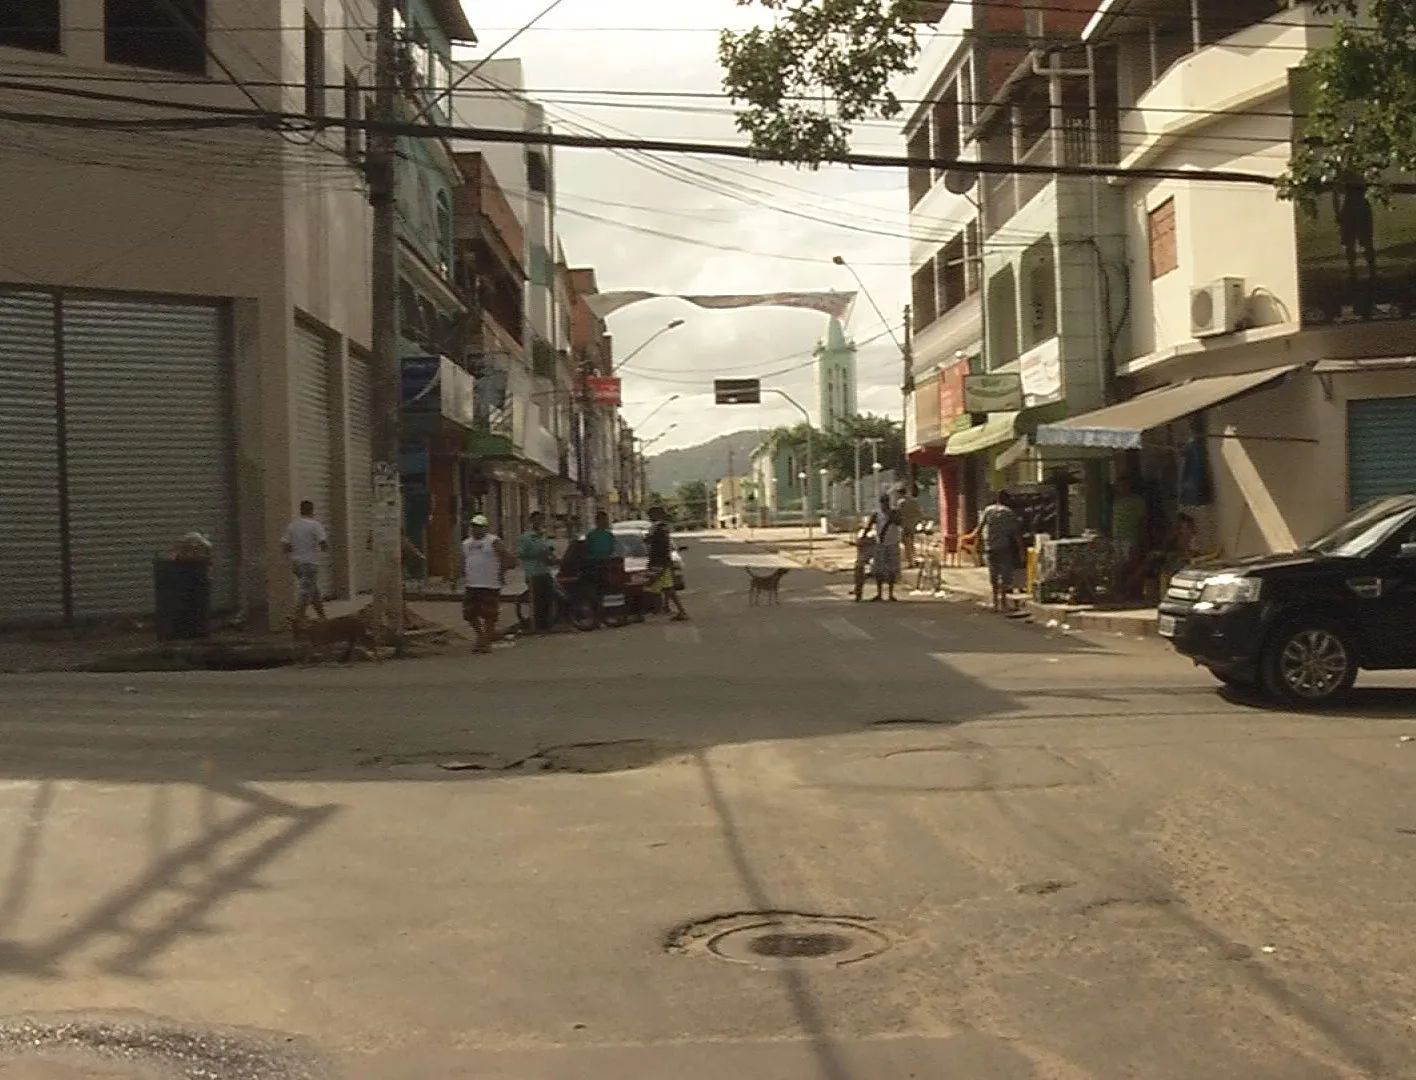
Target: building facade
[
  {"x": 184, "y": 315},
  {"x": 1269, "y": 345}
]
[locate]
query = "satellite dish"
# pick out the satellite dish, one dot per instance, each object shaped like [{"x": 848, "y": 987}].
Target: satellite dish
[{"x": 960, "y": 181}]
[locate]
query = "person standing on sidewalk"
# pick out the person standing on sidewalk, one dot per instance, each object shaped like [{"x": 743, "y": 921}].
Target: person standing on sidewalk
[
  {"x": 304, "y": 540},
  {"x": 485, "y": 562},
  {"x": 538, "y": 554},
  {"x": 908, "y": 509},
  {"x": 661, "y": 562},
  {"x": 1002, "y": 538},
  {"x": 886, "y": 565}
]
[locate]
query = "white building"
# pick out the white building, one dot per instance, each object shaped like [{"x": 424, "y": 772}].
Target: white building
[
  {"x": 1246, "y": 329},
  {"x": 184, "y": 315}
]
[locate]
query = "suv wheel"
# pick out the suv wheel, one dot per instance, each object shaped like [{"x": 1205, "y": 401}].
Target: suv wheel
[{"x": 1309, "y": 662}]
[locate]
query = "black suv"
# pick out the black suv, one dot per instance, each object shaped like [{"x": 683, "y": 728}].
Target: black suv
[{"x": 1300, "y": 625}]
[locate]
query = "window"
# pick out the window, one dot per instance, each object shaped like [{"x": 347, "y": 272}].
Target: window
[
  {"x": 922, "y": 290},
  {"x": 950, "y": 275},
  {"x": 1164, "y": 256},
  {"x": 538, "y": 176},
  {"x": 353, "y": 110},
  {"x": 946, "y": 127},
  {"x": 166, "y": 35},
  {"x": 314, "y": 68},
  {"x": 973, "y": 257},
  {"x": 918, "y": 150},
  {"x": 31, "y": 24}
]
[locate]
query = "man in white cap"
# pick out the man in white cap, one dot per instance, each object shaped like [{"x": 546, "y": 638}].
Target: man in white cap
[{"x": 485, "y": 561}]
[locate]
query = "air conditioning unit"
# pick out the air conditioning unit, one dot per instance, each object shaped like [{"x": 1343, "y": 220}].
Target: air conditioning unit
[{"x": 1217, "y": 308}]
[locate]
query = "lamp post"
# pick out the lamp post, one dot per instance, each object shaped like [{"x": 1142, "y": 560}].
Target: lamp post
[
  {"x": 806, "y": 502},
  {"x": 648, "y": 341},
  {"x": 659, "y": 408},
  {"x": 825, "y": 492},
  {"x": 646, "y": 444}
]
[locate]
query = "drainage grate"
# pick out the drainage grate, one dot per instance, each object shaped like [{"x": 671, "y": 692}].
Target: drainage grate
[
  {"x": 116, "y": 1046},
  {"x": 781, "y": 939}
]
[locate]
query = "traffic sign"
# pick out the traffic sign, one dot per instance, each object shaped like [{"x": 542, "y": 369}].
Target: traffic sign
[{"x": 737, "y": 391}]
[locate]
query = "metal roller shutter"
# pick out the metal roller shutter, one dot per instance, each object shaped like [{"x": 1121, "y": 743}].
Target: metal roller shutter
[
  {"x": 1381, "y": 448},
  {"x": 314, "y": 436},
  {"x": 361, "y": 467},
  {"x": 149, "y": 442},
  {"x": 31, "y": 555}
]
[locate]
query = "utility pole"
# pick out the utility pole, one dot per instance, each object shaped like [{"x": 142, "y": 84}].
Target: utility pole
[
  {"x": 734, "y": 495},
  {"x": 907, "y": 387},
  {"x": 382, "y": 174}
]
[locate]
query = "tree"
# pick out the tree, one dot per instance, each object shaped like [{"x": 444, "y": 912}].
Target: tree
[
  {"x": 823, "y": 66},
  {"x": 838, "y": 449},
  {"x": 694, "y": 503},
  {"x": 1359, "y": 123}
]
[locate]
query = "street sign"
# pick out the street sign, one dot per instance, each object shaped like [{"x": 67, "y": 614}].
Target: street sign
[
  {"x": 993, "y": 393},
  {"x": 737, "y": 391},
  {"x": 603, "y": 389}
]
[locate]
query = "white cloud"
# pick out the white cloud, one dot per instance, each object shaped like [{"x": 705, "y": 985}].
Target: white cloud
[{"x": 613, "y": 203}]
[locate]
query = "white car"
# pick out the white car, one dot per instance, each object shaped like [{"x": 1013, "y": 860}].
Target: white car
[{"x": 629, "y": 540}]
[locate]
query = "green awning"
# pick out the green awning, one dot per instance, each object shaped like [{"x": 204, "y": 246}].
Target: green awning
[{"x": 999, "y": 428}]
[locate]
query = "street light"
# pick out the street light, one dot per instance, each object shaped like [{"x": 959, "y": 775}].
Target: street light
[
  {"x": 649, "y": 341},
  {"x": 840, "y": 260},
  {"x": 645, "y": 445},
  {"x": 659, "y": 408}
]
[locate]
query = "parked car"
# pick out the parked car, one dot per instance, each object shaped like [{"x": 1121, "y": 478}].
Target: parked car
[
  {"x": 1300, "y": 625},
  {"x": 630, "y": 536}
]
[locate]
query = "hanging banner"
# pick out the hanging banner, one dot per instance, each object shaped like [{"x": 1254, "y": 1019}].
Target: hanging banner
[
  {"x": 835, "y": 304},
  {"x": 999, "y": 392},
  {"x": 603, "y": 389}
]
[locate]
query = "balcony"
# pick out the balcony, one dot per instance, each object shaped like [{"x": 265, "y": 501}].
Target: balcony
[{"x": 1078, "y": 143}]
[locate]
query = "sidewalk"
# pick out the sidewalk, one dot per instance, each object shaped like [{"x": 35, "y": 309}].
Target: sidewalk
[
  {"x": 132, "y": 646},
  {"x": 835, "y": 554}
]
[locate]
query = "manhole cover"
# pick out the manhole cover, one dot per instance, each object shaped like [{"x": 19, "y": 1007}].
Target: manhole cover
[
  {"x": 781, "y": 939},
  {"x": 112, "y": 1046}
]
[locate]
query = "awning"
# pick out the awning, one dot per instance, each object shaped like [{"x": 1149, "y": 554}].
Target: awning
[
  {"x": 997, "y": 429},
  {"x": 1120, "y": 427}
]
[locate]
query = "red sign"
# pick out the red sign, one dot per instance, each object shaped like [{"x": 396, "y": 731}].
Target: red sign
[
  {"x": 951, "y": 392},
  {"x": 603, "y": 389}
]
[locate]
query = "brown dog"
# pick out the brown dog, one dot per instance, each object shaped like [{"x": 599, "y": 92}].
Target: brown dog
[
  {"x": 765, "y": 586},
  {"x": 320, "y": 635}
]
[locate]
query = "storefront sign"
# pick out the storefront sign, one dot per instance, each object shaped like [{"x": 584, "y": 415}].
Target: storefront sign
[
  {"x": 603, "y": 390},
  {"x": 1041, "y": 371},
  {"x": 434, "y": 385},
  {"x": 951, "y": 395},
  {"x": 993, "y": 393}
]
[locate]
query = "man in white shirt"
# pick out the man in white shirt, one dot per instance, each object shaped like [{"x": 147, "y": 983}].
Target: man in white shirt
[
  {"x": 304, "y": 540},
  {"x": 485, "y": 561}
]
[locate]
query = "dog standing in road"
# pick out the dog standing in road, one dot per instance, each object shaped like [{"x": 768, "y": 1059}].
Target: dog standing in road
[{"x": 765, "y": 587}]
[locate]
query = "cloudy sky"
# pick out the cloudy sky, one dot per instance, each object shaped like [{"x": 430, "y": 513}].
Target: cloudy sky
[{"x": 678, "y": 224}]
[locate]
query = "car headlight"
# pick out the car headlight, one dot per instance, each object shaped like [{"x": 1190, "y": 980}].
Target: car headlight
[{"x": 1230, "y": 589}]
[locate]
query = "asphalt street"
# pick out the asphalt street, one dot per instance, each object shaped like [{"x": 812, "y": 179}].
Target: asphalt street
[{"x": 1001, "y": 852}]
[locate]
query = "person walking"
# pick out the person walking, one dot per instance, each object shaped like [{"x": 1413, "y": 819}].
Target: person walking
[
  {"x": 304, "y": 540},
  {"x": 661, "y": 562},
  {"x": 887, "y": 555},
  {"x": 599, "y": 550},
  {"x": 865, "y": 554},
  {"x": 1001, "y": 532},
  {"x": 485, "y": 562},
  {"x": 538, "y": 554}
]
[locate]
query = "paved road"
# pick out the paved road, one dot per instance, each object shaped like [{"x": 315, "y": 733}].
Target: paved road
[{"x": 1079, "y": 860}]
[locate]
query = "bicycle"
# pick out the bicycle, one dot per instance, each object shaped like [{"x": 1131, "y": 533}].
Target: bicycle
[
  {"x": 574, "y": 605},
  {"x": 931, "y": 569}
]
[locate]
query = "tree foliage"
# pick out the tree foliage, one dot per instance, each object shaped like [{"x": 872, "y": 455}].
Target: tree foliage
[
  {"x": 693, "y": 503},
  {"x": 820, "y": 68},
  {"x": 836, "y": 451},
  {"x": 1359, "y": 122}
]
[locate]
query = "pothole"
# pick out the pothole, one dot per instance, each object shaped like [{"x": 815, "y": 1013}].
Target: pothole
[
  {"x": 620, "y": 755},
  {"x": 1043, "y": 888},
  {"x": 781, "y": 939},
  {"x": 912, "y": 721},
  {"x": 130, "y": 1046}
]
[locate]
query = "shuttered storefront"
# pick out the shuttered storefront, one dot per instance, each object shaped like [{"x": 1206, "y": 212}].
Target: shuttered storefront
[
  {"x": 31, "y": 555},
  {"x": 1381, "y": 448},
  {"x": 314, "y": 435},
  {"x": 361, "y": 466},
  {"x": 116, "y": 436},
  {"x": 147, "y": 415}
]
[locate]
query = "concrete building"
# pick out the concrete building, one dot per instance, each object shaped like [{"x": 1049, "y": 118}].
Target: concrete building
[
  {"x": 184, "y": 315},
  {"x": 734, "y": 498},
  {"x": 1256, "y": 343},
  {"x": 596, "y": 421}
]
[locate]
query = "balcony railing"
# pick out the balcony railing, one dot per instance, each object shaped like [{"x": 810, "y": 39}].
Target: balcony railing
[{"x": 1004, "y": 196}]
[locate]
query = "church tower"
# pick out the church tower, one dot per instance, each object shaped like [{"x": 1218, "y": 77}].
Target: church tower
[{"x": 836, "y": 377}]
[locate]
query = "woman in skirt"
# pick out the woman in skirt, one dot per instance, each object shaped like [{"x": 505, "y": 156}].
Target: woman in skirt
[{"x": 887, "y": 556}]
